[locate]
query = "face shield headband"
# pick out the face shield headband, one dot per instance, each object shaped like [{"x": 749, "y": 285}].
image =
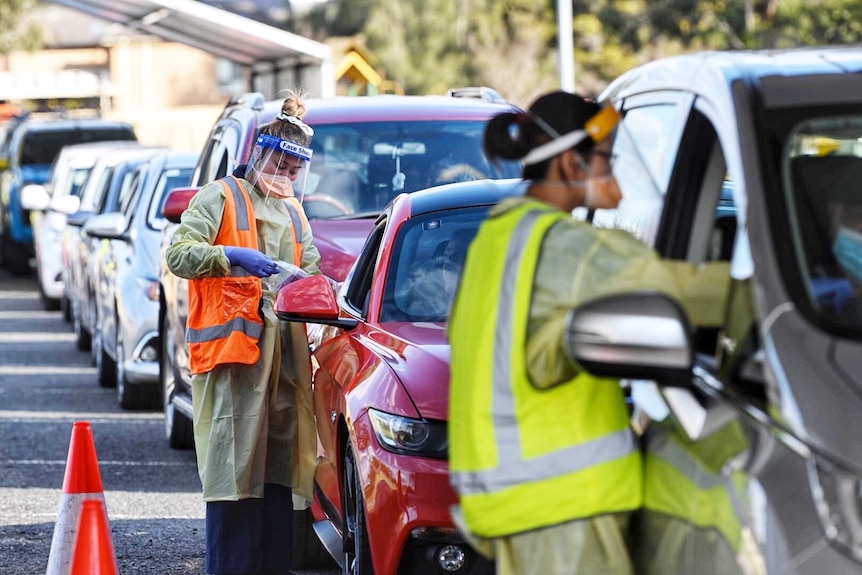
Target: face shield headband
[
  {"x": 597, "y": 128},
  {"x": 278, "y": 166}
]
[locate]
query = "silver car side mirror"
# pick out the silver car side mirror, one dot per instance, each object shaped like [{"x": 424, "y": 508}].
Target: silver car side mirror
[{"x": 638, "y": 335}]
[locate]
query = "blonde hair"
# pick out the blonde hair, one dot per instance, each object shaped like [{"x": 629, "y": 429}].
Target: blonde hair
[{"x": 293, "y": 106}]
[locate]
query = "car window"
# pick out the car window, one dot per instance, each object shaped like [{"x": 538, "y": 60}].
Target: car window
[
  {"x": 822, "y": 168},
  {"x": 135, "y": 182},
  {"x": 217, "y": 160},
  {"x": 168, "y": 180},
  {"x": 98, "y": 191},
  {"x": 359, "y": 167},
  {"x": 643, "y": 151},
  {"x": 41, "y": 147},
  {"x": 362, "y": 273},
  {"x": 427, "y": 259},
  {"x": 74, "y": 182}
]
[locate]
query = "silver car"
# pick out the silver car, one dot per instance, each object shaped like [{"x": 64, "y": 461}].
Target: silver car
[
  {"x": 106, "y": 183},
  {"x": 127, "y": 340},
  {"x": 751, "y": 420}
]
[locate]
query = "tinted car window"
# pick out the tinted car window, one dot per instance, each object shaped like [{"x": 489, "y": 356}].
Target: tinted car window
[
  {"x": 168, "y": 180},
  {"x": 41, "y": 147},
  {"x": 823, "y": 165},
  {"x": 360, "y": 167},
  {"x": 428, "y": 258}
]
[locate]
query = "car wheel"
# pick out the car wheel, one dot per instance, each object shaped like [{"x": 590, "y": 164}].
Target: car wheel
[
  {"x": 94, "y": 329},
  {"x": 82, "y": 336},
  {"x": 356, "y": 547},
  {"x": 106, "y": 367},
  {"x": 49, "y": 303},
  {"x": 16, "y": 257},
  {"x": 65, "y": 308},
  {"x": 308, "y": 553},
  {"x": 178, "y": 427}
]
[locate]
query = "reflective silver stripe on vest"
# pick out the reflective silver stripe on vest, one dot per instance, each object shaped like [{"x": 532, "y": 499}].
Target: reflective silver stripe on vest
[
  {"x": 512, "y": 468},
  {"x": 296, "y": 224},
  {"x": 239, "y": 198},
  {"x": 661, "y": 445},
  {"x": 247, "y": 327}
]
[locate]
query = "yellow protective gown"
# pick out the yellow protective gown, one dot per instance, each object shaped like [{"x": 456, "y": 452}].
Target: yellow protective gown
[
  {"x": 253, "y": 424},
  {"x": 578, "y": 263}
]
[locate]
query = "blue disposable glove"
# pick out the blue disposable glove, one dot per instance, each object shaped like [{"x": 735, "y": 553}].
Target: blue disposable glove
[{"x": 251, "y": 260}]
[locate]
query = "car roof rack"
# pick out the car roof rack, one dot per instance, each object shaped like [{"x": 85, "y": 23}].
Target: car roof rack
[{"x": 478, "y": 92}]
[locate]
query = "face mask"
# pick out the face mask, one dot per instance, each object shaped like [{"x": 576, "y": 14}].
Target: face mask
[
  {"x": 603, "y": 192},
  {"x": 848, "y": 251},
  {"x": 278, "y": 186}
]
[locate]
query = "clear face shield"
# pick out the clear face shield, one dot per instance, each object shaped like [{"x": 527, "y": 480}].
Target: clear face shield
[{"x": 278, "y": 168}]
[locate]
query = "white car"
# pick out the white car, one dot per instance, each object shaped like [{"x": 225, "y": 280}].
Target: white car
[
  {"x": 106, "y": 187},
  {"x": 50, "y": 203}
]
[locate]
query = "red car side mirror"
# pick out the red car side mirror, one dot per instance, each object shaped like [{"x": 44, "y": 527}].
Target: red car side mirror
[
  {"x": 176, "y": 203},
  {"x": 311, "y": 300}
]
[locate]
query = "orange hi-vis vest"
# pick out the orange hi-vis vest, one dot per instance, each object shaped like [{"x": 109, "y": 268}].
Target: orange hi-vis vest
[{"x": 225, "y": 322}]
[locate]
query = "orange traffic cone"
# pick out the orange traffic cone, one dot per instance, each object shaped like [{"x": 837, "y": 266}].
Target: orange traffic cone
[
  {"x": 82, "y": 481},
  {"x": 94, "y": 549}
]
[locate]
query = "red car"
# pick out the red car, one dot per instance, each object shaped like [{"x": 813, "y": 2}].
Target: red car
[
  {"x": 367, "y": 150},
  {"x": 381, "y": 380}
]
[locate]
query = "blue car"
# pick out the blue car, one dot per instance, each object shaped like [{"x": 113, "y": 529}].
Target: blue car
[{"x": 33, "y": 147}]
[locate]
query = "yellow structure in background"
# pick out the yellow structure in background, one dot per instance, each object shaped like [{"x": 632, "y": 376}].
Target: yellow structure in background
[{"x": 355, "y": 74}]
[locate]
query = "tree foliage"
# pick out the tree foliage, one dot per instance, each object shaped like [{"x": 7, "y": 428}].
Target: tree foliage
[
  {"x": 429, "y": 46},
  {"x": 12, "y": 37}
]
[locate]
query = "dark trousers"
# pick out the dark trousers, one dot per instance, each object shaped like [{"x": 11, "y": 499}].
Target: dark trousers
[{"x": 250, "y": 536}]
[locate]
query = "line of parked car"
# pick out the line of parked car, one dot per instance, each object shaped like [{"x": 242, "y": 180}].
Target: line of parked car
[{"x": 748, "y": 424}]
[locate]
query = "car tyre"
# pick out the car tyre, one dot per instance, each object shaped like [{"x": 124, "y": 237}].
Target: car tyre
[
  {"x": 82, "y": 337},
  {"x": 15, "y": 256},
  {"x": 356, "y": 547},
  {"x": 49, "y": 303},
  {"x": 106, "y": 367},
  {"x": 178, "y": 428},
  {"x": 66, "y": 308},
  {"x": 308, "y": 553}
]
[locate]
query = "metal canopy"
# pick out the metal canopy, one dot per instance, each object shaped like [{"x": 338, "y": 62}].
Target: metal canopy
[{"x": 210, "y": 29}]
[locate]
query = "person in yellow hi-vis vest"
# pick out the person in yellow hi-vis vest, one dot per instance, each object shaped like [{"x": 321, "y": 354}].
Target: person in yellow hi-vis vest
[
  {"x": 240, "y": 239},
  {"x": 542, "y": 455},
  {"x": 695, "y": 502}
]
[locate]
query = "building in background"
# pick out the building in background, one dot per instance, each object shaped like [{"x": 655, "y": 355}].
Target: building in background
[{"x": 170, "y": 90}]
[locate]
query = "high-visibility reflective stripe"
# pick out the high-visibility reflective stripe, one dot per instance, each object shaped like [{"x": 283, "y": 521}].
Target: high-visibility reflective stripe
[
  {"x": 242, "y": 223},
  {"x": 512, "y": 468},
  {"x": 296, "y": 224},
  {"x": 249, "y": 328},
  {"x": 662, "y": 445},
  {"x": 515, "y": 470}
]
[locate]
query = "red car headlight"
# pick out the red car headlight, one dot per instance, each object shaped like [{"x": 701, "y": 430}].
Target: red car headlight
[{"x": 409, "y": 435}]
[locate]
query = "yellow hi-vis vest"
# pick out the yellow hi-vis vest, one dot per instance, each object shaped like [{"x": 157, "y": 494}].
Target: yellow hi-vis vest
[
  {"x": 688, "y": 480},
  {"x": 521, "y": 457},
  {"x": 224, "y": 322}
]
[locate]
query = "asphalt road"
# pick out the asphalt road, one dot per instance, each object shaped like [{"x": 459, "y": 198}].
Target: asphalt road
[{"x": 152, "y": 492}]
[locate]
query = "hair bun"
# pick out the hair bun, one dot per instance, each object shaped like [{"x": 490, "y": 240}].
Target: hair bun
[{"x": 293, "y": 105}]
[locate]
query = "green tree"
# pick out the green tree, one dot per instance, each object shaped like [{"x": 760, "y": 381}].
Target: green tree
[
  {"x": 13, "y": 36},
  {"x": 813, "y": 22},
  {"x": 429, "y": 46}
]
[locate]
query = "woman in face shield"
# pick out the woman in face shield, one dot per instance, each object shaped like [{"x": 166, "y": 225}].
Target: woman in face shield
[
  {"x": 240, "y": 239},
  {"x": 541, "y": 453}
]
